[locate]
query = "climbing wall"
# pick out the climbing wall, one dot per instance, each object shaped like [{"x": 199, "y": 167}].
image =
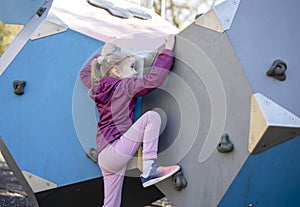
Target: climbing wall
[
  {"x": 220, "y": 87},
  {"x": 202, "y": 100}
]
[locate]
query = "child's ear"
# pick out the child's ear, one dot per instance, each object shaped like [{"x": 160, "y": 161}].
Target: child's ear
[{"x": 116, "y": 72}]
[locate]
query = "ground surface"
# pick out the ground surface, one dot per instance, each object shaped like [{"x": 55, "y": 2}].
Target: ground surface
[{"x": 11, "y": 192}]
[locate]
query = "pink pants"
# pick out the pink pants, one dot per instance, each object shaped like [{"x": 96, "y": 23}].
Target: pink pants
[{"x": 114, "y": 157}]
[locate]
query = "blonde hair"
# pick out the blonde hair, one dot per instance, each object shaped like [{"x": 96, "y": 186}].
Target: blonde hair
[
  {"x": 101, "y": 67},
  {"x": 111, "y": 60},
  {"x": 95, "y": 72}
]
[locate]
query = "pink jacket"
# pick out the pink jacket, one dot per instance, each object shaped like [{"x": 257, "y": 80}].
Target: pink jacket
[{"x": 116, "y": 98}]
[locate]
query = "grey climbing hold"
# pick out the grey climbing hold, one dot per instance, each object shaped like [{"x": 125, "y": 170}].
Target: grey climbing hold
[
  {"x": 179, "y": 181},
  {"x": 225, "y": 145}
]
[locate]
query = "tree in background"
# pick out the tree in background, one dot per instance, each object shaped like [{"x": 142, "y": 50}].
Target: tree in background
[{"x": 181, "y": 13}]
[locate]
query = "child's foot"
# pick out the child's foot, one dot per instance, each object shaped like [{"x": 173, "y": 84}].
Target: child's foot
[{"x": 159, "y": 173}]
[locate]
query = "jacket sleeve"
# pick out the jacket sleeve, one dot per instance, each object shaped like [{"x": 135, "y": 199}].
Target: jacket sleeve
[
  {"x": 85, "y": 73},
  {"x": 156, "y": 77}
]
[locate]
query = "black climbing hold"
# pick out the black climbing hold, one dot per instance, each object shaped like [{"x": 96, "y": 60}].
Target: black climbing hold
[
  {"x": 179, "y": 181},
  {"x": 19, "y": 87},
  {"x": 225, "y": 145},
  {"x": 40, "y": 11},
  {"x": 277, "y": 70},
  {"x": 198, "y": 15}
]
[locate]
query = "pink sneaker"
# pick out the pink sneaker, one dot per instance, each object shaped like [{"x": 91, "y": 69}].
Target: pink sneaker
[{"x": 159, "y": 173}]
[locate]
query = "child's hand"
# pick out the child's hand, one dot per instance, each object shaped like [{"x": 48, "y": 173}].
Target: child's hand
[
  {"x": 170, "y": 42},
  {"x": 108, "y": 48}
]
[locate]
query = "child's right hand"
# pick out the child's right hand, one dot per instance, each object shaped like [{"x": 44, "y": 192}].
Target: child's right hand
[{"x": 170, "y": 42}]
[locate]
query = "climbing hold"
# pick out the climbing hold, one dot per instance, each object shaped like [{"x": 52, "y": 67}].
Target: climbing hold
[
  {"x": 225, "y": 145},
  {"x": 198, "y": 15},
  {"x": 179, "y": 181},
  {"x": 141, "y": 14},
  {"x": 92, "y": 153},
  {"x": 277, "y": 70},
  {"x": 19, "y": 87},
  {"x": 41, "y": 11}
]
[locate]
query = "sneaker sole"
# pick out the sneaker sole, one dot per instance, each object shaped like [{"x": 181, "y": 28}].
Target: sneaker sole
[{"x": 154, "y": 181}]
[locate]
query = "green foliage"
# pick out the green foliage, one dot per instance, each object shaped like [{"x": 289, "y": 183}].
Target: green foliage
[{"x": 181, "y": 13}]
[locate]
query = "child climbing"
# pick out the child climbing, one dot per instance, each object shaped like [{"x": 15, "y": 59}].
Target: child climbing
[{"x": 118, "y": 136}]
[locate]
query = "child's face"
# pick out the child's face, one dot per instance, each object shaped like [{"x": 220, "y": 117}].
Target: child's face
[{"x": 128, "y": 68}]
